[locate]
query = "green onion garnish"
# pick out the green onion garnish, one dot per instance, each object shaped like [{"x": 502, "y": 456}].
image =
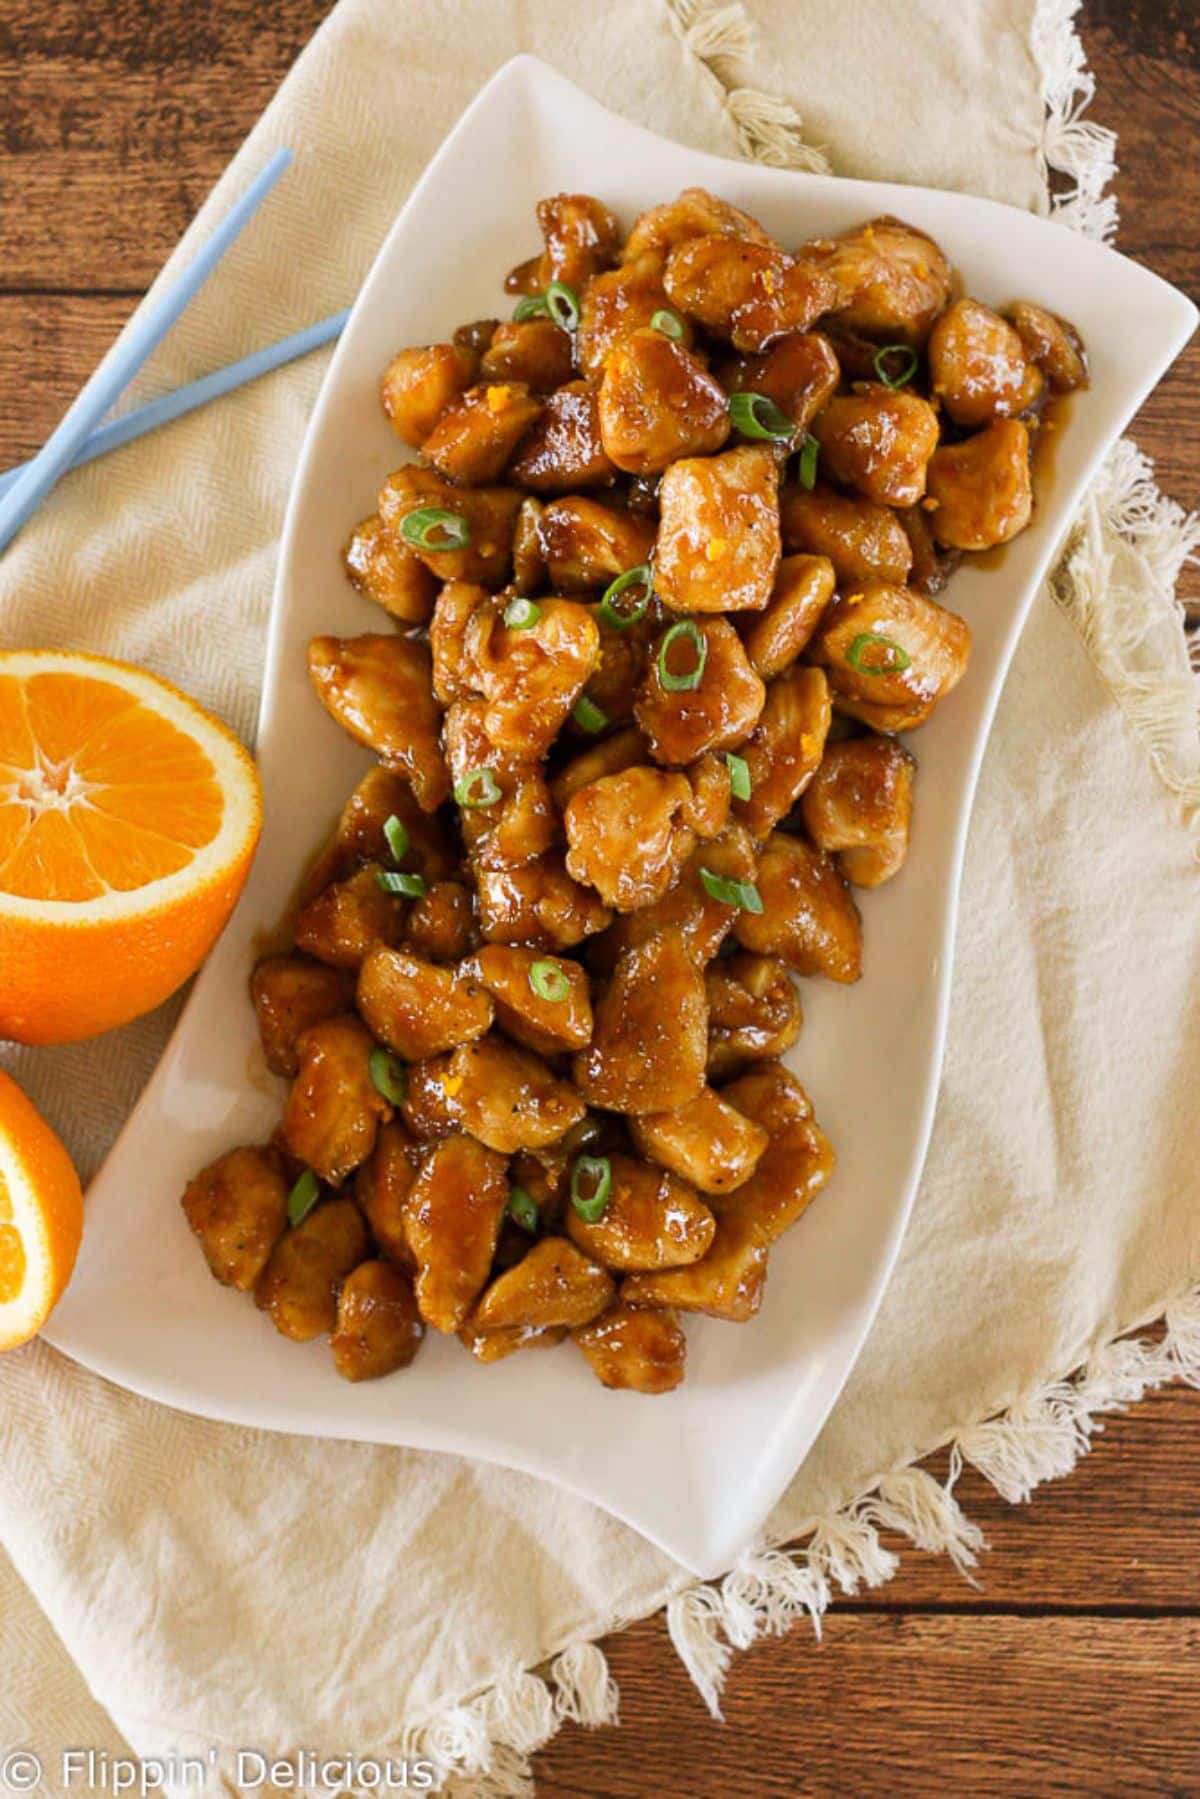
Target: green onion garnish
[
  {"x": 397, "y": 838},
  {"x": 587, "y": 715},
  {"x": 411, "y": 886},
  {"x": 549, "y": 981},
  {"x": 756, "y": 415},
  {"x": 668, "y": 322},
  {"x": 810, "y": 450},
  {"x": 739, "y": 775},
  {"x": 303, "y": 1197},
  {"x": 898, "y": 658},
  {"x": 689, "y": 629},
  {"x": 521, "y": 615},
  {"x": 909, "y": 365},
  {"x": 596, "y": 1172},
  {"x": 731, "y": 893},
  {"x": 533, "y": 306},
  {"x": 478, "y": 788},
  {"x": 620, "y": 617},
  {"x": 562, "y": 305},
  {"x": 523, "y": 1210},
  {"x": 387, "y": 1075},
  {"x": 434, "y": 528}
]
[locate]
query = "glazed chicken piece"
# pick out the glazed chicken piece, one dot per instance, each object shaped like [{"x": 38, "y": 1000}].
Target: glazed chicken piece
[
  {"x": 774, "y": 638},
  {"x": 588, "y": 545},
  {"x": 417, "y": 1008},
  {"x": 747, "y": 292},
  {"x": 289, "y": 994},
  {"x": 530, "y": 676},
  {"x": 611, "y": 756},
  {"x": 783, "y": 755},
  {"x": 455, "y": 606},
  {"x": 426, "y": 1107},
  {"x": 342, "y": 922},
  {"x": 528, "y": 563},
  {"x": 361, "y": 836},
  {"x": 555, "y": 1284},
  {"x": 496, "y": 1346},
  {"x": 863, "y": 541},
  {"x": 541, "y": 1002},
  {"x": 379, "y": 690},
  {"x": 1052, "y": 345},
  {"x": 508, "y": 1098},
  {"x": 382, "y": 1186},
  {"x": 389, "y": 573},
  {"x": 534, "y": 351},
  {"x": 581, "y": 238},
  {"x": 237, "y": 1209},
  {"x": 565, "y": 449},
  {"x": 892, "y": 280},
  {"x": 718, "y": 543},
  {"x": 629, "y": 834},
  {"x": 932, "y": 566},
  {"x": 797, "y": 1163},
  {"x": 703, "y": 921},
  {"x": 617, "y": 304},
  {"x": 708, "y": 1142},
  {"x": 658, "y": 402},
  {"x": 652, "y": 1220},
  {"x": 718, "y": 713},
  {"x": 418, "y": 385},
  {"x": 977, "y": 366},
  {"x": 299, "y": 1285},
  {"x": 640, "y": 1352},
  {"x": 753, "y": 1012},
  {"x": 505, "y": 810},
  {"x": 475, "y": 436},
  {"x": 614, "y": 685},
  {"x": 454, "y": 1213},
  {"x": 890, "y": 654},
  {"x": 538, "y": 904},
  {"x": 488, "y": 512},
  {"x": 696, "y": 213},
  {"x": 799, "y": 372},
  {"x": 808, "y": 917},
  {"x": 651, "y": 1032},
  {"x": 878, "y": 441},
  {"x": 441, "y": 924},
  {"x": 378, "y": 1328},
  {"x": 728, "y": 1283},
  {"x": 334, "y": 1109},
  {"x": 982, "y": 488},
  {"x": 859, "y": 804}
]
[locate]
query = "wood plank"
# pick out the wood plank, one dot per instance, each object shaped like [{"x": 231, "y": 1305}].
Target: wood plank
[
  {"x": 901, "y": 1707},
  {"x": 49, "y": 345}
]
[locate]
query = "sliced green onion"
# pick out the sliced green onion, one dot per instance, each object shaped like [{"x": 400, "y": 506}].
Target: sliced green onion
[
  {"x": 898, "y": 658},
  {"x": 668, "y": 322},
  {"x": 563, "y": 305},
  {"x": 523, "y": 1210},
  {"x": 756, "y": 415},
  {"x": 303, "y": 1197},
  {"x": 731, "y": 893},
  {"x": 810, "y": 450},
  {"x": 478, "y": 788},
  {"x": 911, "y": 362},
  {"x": 532, "y": 306},
  {"x": 435, "y": 528},
  {"x": 550, "y": 982},
  {"x": 398, "y": 840},
  {"x": 387, "y": 1075},
  {"x": 621, "y": 617},
  {"x": 411, "y": 886},
  {"x": 739, "y": 775},
  {"x": 683, "y": 683},
  {"x": 594, "y": 1172},
  {"x": 587, "y": 715},
  {"x": 521, "y": 615}
]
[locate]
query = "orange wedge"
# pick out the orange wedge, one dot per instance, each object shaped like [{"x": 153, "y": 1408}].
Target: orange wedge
[
  {"x": 128, "y": 820},
  {"x": 41, "y": 1217}
]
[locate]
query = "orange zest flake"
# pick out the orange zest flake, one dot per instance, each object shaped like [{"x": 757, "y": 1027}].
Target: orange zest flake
[
  {"x": 714, "y": 549},
  {"x": 768, "y": 281},
  {"x": 498, "y": 398},
  {"x": 854, "y": 599},
  {"x": 808, "y": 744},
  {"x": 451, "y": 1084},
  {"x": 929, "y": 504}
]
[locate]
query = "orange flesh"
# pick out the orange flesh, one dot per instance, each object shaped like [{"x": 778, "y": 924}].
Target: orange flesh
[{"x": 12, "y": 1250}]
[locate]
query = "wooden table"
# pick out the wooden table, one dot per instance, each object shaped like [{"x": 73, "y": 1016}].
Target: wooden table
[{"x": 1075, "y": 1667}]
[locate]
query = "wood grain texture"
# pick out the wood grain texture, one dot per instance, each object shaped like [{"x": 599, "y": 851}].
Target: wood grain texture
[{"x": 1072, "y": 1668}]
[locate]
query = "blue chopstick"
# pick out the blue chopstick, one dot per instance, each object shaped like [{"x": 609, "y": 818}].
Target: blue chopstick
[
  {"x": 113, "y": 377},
  {"x": 186, "y": 399}
]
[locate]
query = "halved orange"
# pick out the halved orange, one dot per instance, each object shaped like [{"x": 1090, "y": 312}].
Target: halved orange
[
  {"x": 41, "y": 1217},
  {"x": 128, "y": 820}
]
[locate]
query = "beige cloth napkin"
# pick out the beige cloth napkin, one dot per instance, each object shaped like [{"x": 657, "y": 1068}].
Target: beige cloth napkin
[{"x": 219, "y": 1588}]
